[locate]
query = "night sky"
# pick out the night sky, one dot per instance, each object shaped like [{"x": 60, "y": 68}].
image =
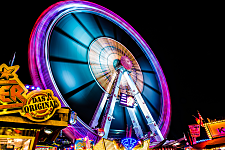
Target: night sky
[{"x": 186, "y": 38}]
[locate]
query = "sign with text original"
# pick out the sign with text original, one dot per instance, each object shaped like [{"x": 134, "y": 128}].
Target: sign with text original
[{"x": 38, "y": 105}]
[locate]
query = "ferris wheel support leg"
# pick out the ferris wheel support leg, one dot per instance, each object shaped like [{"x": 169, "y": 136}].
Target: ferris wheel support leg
[
  {"x": 151, "y": 123},
  {"x": 98, "y": 111},
  {"x": 107, "y": 119},
  {"x": 134, "y": 120}
]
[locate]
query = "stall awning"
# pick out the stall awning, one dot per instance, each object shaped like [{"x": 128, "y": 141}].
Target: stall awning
[{"x": 218, "y": 142}]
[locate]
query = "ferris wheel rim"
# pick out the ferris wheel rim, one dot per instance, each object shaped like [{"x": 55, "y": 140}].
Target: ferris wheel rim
[{"x": 36, "y": 49}]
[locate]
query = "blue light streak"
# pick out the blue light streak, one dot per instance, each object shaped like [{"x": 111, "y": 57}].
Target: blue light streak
[{"x": 129, "y": 143}]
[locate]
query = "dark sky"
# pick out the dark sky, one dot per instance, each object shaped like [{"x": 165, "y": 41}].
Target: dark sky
[{"x": 187, "y": 39}]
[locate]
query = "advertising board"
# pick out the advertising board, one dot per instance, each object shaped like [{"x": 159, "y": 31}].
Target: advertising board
[
  {"x": 127, "y": 100},
  {"x": 215, "y": 129}
]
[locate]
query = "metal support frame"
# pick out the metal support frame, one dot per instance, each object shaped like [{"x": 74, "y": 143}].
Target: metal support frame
[
  {"x": 94, "y": 121},
  {"x": 134, "y": 120},
  {"x": 107, "y": 119},
  {"x": 151, "y": 123},
  {"x": 98, "y": 111}
]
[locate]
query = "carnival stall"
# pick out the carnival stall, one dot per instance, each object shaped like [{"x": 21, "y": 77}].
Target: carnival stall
[{"x": 27, "y": 118}]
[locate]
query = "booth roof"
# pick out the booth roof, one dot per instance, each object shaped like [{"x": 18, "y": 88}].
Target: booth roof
[{"x": 218, "y": 142}]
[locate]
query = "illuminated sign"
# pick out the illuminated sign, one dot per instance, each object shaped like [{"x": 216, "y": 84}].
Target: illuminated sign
[
  {"x": 41, "y": 105},
  {"x": 215, "y": 129},
  {"x": 194, "y": 130},
  {"x": 38, "y": 105},
  {"x": 101, "y": 132},
  {"x": 84, "y": 143},
  {"x": 127, "y": 100},
  {"x": 73, "y": 118},
  {"x": 129, "y": 143}
]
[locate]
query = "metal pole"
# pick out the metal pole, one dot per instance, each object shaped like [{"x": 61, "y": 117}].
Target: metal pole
[
  {"x": 107, "y": 119},
  {"x": 151, "y": 123}
]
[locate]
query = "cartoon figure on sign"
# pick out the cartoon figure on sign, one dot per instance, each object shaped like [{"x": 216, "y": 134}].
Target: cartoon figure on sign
[
  {"x": 130, "y": 101},
  {"x": 101, "y": 132}
]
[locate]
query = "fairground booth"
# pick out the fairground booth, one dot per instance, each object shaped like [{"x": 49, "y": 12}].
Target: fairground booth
[
  {"x": 28, "y": 117},
  {"x": 216, "y": 136},
  {"x": 210, "y": 135},
  {"x": 99, "y": 66}
]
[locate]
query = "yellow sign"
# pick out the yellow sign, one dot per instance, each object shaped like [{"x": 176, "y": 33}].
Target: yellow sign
[
  {"x": 38, "y": 105},
  {"x": 41, "y": 105},
  {"x": 215, "y": 129}
]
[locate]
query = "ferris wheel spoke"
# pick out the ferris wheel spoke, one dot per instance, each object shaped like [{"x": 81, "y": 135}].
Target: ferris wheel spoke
[
  {"x": 73, "y": 92},
  {"x": 126, "y": 42},
  {"x": 135, "y": 122},
  {"x": 99, "y": 25},
  {"x": 78, "y": 20},
  {"x": 114, "y": 31},
  {"x": 59, "y": 59},
  {"x": 107, "y": 75},
  {"x": 147, "y": 71},
  {"x": 140, "y": 55},
  {"x": 70, "y": 37},
  {"x": 150, "y": 104},
  {"x": 155, "y": 90}
]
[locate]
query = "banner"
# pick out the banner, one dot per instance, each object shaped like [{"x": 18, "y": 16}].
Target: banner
[
  {"x": 127, "y": 100},
  {"x": 194, "y": 130}
]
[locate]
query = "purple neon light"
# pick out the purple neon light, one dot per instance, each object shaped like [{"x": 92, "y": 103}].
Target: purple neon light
[
  {"x": 38, "y": 55},
  {"x": 79, "y": 131}
]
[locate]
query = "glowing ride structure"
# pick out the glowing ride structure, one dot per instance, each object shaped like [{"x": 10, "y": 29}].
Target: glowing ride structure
[
  {"x": 89, "y": 56},
  {"x": 110, "y": 61}
]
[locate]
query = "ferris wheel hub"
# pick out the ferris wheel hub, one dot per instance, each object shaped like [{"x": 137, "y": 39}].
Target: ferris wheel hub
[
  {"x": 126, "y": 62},
  {"x": 108, "y": 57},
  {"x": 116, "y": 63}
]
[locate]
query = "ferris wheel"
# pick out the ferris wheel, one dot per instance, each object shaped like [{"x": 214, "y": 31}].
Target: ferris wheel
[{"x": 91, "y": 58}]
